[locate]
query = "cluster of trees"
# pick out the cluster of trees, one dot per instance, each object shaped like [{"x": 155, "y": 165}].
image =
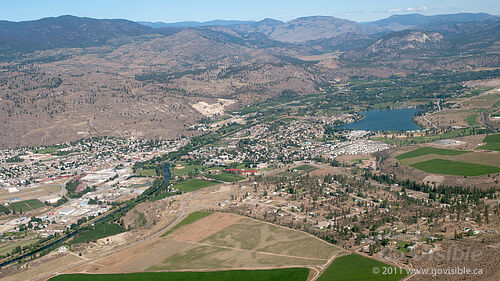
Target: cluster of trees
[
  {"x": 58, "y": 203},
  {"x": 15, "y": 159},
  {"x": 444, "y": 193},
  {"x": 72, "y": 186}
]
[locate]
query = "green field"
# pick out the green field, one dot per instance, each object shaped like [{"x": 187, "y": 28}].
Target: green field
[
  {"x": 492, "y": 142},
  {"x": 306, "y": 168},
  {"x": 188, "y": 169},
  {"x": 446, "y": 167},
  {"x": 429, "y": 150},
  {"x": 226, "y": 177},
  {"x": 491, "y": 146},
  {"x": 48, "y": 150},
  {"x": 146, "y": 172},
  {"x": 193, "y": 184},
  {"x": 492, "y": 139},
  {"x": 356, "y": 267},
  {"x": 94, "y": 233},
  {"x": 472, "y": 119},
  {"x": 7, "y": 248},
  {"x": 289, "y": 274},
  {"x": 189, "y": 219},
  {"x": 26, "y": 205}
]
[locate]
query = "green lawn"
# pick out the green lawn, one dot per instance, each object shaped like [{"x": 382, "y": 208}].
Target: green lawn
[
  {"x": 356, "y": 267},
  {"x": 446, "y": 167},
  {"x": 94, "y": 233},
  {"x": 306, "y": 168},
  {"x": 26, "y": 205},
  {"x": 226, "y": 177},
  {"x": 289, "y": 274},
  {"x": 189, "y": 219},
  {"x": 194, "y": 184},
  {"x": 429, "y": 150}
]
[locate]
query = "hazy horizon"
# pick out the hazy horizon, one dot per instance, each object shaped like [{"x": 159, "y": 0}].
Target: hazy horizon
[{"x": 201, "y": 11}]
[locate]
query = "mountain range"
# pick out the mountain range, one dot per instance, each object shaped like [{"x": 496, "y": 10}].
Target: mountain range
[{"x": 67, "y": 77}]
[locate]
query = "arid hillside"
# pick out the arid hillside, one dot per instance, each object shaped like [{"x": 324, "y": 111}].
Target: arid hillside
[{"x": 120, "y": 78}]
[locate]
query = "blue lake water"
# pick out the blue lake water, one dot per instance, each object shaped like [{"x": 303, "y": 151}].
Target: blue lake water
[{"x": 386, "y": 120}]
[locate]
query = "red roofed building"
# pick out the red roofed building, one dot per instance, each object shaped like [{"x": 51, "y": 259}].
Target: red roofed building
[{"x": 232, "y": 170}]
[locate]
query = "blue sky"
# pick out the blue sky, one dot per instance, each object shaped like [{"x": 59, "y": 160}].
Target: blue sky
[{"x": 204, "y": 10}]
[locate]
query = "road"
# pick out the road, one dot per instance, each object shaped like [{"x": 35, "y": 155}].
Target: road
[{"x": 429, "y": 121}]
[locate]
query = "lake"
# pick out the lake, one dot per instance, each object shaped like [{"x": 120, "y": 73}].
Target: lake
[{"x": 386, "y": 120}]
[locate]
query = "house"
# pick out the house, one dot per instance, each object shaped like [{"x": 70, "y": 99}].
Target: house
[
  {"x": 232, "y": 170},
  {"x": 249, "y": 172},
  {"x": 366, "y": 248},
  {"x": 12, "y": 189}
]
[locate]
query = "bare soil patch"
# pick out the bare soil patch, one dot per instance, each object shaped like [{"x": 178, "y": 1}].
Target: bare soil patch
[{"x": 204, "y": 227}]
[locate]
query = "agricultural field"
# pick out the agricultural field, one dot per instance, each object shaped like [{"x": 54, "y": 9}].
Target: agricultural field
[
  {"x": 246, "y": 243},
  {"x": 492, "y": 142},
  {"x": 26, "y": 205},
  {"x": 451, "y": 162},
  {"x": 189, "y": 219},
  {"x": 193, "y": 184},
  {"x": 429, "y": 150},
  {"x": 207, "y": 241},
  {"x": 356, "y": 267},
  {"x": 447, "y": 167},
  {"x": 226, "y": 177},
  {"x": 290, "y": 274}
]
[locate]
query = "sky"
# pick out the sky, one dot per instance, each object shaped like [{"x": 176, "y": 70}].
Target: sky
[{"x": 205, "y": 10}]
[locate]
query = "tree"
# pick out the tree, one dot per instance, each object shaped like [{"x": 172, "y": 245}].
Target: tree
[{"x": 486, "y": 214}]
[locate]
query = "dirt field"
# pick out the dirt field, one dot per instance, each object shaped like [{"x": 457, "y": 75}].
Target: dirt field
[
  {"x": 245, "y": 243},
  {"x": 32, "y": 193},
  {"x": 45, "y": 268},
  {"x": 218, "y": 241},
  {"x": 255, "y": 235},
  {"x": 204, "y": 228}
]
